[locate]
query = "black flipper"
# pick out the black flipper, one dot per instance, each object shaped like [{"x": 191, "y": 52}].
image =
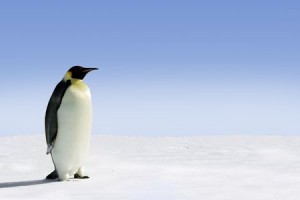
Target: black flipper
[
  {"x": 51, "y": 125},
  {"x": 52, "y": 175}
]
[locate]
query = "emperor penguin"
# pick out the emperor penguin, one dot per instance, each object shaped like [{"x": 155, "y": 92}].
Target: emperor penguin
[{"x": 68, "y": 123}]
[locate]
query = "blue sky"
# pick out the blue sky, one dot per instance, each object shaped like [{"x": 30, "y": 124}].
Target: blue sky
[{"x": 166, "y": 67}]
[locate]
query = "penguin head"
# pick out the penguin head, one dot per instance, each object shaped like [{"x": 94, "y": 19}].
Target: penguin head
[{"x": 77, "y": 72}]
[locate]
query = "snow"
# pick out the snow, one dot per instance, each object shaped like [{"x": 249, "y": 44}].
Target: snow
[{"x": 158, "y": 168}]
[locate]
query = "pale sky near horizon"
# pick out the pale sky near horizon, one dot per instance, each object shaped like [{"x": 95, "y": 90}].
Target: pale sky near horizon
[{"x": 165, "y": 67}]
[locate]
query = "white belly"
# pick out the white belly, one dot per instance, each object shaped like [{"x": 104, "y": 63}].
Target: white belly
[{"x": 74, "y": 127}]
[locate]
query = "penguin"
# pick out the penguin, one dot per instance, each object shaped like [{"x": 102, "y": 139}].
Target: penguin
[{"x": 68, "y": 123}]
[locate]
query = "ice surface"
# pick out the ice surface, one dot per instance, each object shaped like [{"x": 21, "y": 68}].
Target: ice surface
[{"x": 159, "y": 168}]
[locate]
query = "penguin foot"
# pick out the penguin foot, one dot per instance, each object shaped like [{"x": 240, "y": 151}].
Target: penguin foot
[
  {"x": 77, "y": 176},
  {"x": 52, "y": 175}
]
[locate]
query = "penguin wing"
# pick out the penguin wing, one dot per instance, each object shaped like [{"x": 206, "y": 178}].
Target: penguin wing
[{"x": 51, "y": 124}]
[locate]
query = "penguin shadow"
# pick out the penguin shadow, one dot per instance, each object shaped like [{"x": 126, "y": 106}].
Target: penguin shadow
[{"x": 25, "y": 183}]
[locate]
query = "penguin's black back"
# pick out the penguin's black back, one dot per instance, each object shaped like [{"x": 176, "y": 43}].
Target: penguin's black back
[{"x": 51, "y": 124}]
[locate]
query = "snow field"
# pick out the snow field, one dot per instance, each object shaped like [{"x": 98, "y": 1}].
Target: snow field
[{"x": 158, "y": 168}]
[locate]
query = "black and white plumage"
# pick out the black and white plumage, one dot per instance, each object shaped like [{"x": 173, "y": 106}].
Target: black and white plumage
[{"x": 68, "y": 124}]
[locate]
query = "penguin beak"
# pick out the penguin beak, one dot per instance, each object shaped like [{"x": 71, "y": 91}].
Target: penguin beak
[{"x": 86, "y": 70}]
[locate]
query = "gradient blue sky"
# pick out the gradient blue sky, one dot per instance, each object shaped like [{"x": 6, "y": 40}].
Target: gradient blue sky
[{"x": 166, "y": 67}]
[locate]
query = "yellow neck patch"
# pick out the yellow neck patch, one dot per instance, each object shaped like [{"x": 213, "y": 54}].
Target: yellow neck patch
[
  {"x": 68, "y": 76},
  {"x": 74, "y": 81}
]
